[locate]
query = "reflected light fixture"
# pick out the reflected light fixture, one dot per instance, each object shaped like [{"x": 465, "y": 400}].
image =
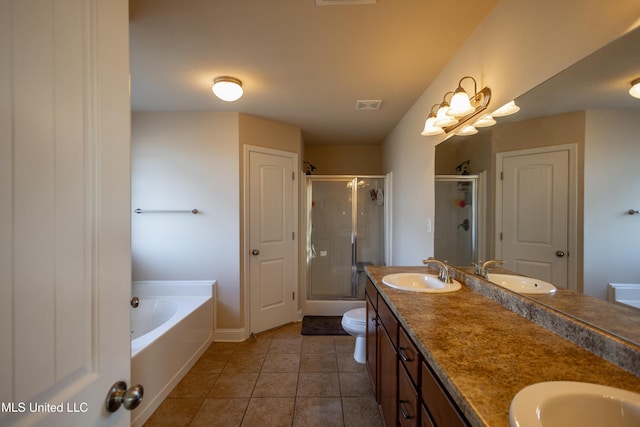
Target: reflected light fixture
[
  {"x": 442, "y": 118},
  {"x": 507, "y": 109},
  {"x": 468, "y": 130},
  {"x": 485, "y": 122},
  {"x": 429, "y": 128},
  {"x": 460, "y": 101},
  {"x": 227, "y": 88},
  {"x": 635, "y": 88}
]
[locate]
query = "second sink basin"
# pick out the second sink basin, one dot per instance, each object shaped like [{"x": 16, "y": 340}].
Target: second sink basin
[
  {"x": 419, "y": 282},
  {"x": 521, "y": 284},
  {"x": 568, "y": 403}
]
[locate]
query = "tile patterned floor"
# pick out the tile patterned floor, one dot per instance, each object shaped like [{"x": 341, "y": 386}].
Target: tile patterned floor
[{"x": 279, "y": 378}]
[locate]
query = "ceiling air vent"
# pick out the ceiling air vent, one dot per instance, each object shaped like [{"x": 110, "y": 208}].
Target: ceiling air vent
[
  {"x": 342, "y": 2},
  {"x": 368, "y": 104}
]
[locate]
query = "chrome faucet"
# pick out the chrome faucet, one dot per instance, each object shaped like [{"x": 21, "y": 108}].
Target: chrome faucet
[
  {"x": 482, "y": 267},
  {"x": 443, "y": 270},
  {"x": 135, "y": 302}
]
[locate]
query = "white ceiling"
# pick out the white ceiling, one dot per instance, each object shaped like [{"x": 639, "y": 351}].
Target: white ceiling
[{"x": 300, "y": 64}]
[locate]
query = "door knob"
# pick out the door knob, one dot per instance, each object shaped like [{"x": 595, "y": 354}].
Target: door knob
[
  {"x": 119, "y": 394},
  {"x": 255, "y": 252},
  {"x": 559, "y": 254}
]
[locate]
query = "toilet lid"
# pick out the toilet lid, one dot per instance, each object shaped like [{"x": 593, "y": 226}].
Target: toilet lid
[{"x": 357, "y": 315}]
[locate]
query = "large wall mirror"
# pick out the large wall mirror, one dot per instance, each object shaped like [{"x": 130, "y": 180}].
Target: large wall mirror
[{"x": 588, "y": 111}]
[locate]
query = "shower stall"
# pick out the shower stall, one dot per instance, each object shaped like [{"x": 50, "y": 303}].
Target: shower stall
[
  {"x": 458, "y": 213},
  {"x": 345, "y": 221}
]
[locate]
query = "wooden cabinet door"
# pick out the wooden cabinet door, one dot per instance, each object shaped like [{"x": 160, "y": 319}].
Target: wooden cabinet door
[
  {"x": 387, "y": 379},
  {"x": 372, "y": 346}
]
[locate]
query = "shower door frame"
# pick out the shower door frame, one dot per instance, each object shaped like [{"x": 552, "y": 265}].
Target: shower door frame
[{"x": 347, "y": 301}]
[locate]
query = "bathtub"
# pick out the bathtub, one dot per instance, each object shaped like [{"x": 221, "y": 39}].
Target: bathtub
[
  {"x": 625, "y": 293},
  {"x": 170, "y": 329}
]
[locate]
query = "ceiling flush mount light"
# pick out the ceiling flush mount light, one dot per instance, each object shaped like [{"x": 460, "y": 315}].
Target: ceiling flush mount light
[
  {"x": 455, "y": 116},
  {"x": 227, "y": 88},
  {"x": 635, "y": 88}
]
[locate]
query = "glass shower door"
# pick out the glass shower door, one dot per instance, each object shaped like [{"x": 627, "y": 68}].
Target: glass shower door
[
  {"x": 345, "y": 232},
  {"x": 456, "y": 219}
]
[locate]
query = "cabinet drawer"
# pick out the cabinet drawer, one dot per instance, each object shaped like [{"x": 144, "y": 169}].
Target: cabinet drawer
[
  {"x": 408, "y": 408},
  {"x": 389, "y": 321},
  {"x": 442, "y": 410},
  {"x": 409, "y": 356},
  {"x": 372, "y": 293}
]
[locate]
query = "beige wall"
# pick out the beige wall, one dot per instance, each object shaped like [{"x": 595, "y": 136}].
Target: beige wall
[
  {"x": 344, "y": 159},
  {"x": 611, "y": 235},
  {"x": 185, "y": 160},
  {"x": 519, "y": 45}
]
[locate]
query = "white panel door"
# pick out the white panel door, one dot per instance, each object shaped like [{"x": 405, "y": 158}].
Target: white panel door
[
  {"x": 64, "y": 211},
  {"x": 535, "y": 212},
  {"x": 271, "y": 239}
]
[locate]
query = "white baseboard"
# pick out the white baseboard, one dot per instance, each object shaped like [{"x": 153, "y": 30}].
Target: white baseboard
[{"x": 230, "y": 335}]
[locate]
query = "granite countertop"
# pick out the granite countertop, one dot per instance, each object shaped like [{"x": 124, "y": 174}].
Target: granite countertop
[{"x": 484, "y": 353}]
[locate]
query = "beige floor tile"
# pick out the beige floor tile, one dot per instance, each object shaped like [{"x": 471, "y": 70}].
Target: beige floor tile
[
  {"x": 345, "y": 344},
  {"x": 234, "y": 385},
  {"x": 360, "y": 412},
  {"x": 276, "y": 385},
  {"x": 291, "y": 330},
  {"x": 220, "y": 412},
  {"x": 174, "y": 413},
  {"x": 346, "y": 363},
  {"x": 244, "y": 362},
  {"x": 286, "y": 345},
  {"x": 194, "y": 384},
  {"x": 318, "y": 363},
  {"x": 355, "y": 384},
  {"x": 277, "y": 378},
  {"x": 254, "y": 345},
  {"x": 219, "y": 348},
  {"x": 211, "y": 363},
  {"x": 318, "y": 344},
  {"x": 275, "y": 362},
  {"x": 318, "y": 412},
  {"x": 269, "y": 412},
  {"x": 318, "y": 385}
]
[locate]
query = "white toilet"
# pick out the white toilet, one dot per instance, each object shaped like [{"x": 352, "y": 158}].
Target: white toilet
[{"x": 355, "y": 323}]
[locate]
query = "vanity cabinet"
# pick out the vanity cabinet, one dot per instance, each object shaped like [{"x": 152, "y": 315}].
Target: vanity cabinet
[{"x": 406, "y": 389}]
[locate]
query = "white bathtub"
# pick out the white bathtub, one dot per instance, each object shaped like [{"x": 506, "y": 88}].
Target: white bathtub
[
  {"x": 171, "y": 328},
  {"x": 625, "y": 293}
]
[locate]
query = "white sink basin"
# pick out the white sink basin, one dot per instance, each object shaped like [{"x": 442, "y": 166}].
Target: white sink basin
[
  {"x": 521, "y": 284},
  {"x": 419, "y": 282},
  {"x": 566, "y": 403}
]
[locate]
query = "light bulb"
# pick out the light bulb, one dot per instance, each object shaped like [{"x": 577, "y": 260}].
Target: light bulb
[{"x": 227, "y": 88}]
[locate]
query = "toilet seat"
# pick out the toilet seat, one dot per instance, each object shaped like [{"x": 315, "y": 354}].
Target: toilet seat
[{"x": 357, "y": 316}]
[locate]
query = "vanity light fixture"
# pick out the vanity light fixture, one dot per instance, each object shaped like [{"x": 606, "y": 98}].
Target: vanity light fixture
[
  {"x": 460, "y": 101},
  {"x": 468, "y": 130},
  {"x": 506, "y": 110},
  {"x": 485, "y": 122},
  {"x": 227, "y": 88},
  {"x": 455, "y": 116},
  {"x": 442, "y": 118},
  {"x": 635, "y": 88},
  {"x": 429, "y": 128}
]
